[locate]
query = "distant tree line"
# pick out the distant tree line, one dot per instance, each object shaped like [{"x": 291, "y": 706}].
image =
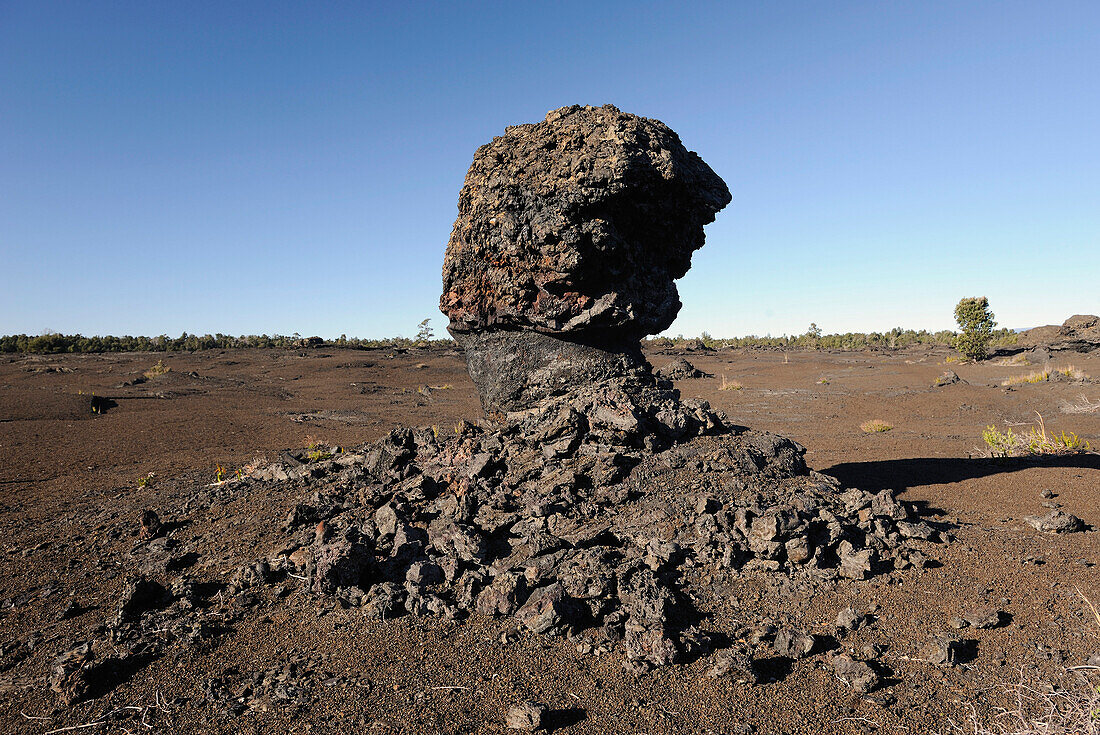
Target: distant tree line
[
  {"x": 52, "y": 344},
  {"x": 813, "y": 339}
]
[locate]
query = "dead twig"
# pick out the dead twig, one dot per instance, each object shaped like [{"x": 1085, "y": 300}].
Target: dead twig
[{"x": 76, "y": 727}]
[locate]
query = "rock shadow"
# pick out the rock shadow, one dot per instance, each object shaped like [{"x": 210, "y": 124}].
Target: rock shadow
[
  {"x": 902, "y": 474},
  {"x": 559, "y": 719}
]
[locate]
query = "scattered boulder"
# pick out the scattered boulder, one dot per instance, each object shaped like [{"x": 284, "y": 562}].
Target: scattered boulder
[
  {"x": 693, "y": 345},
  {"x": 84, "y": 673},
  {"x": 151, "y": 526},
  {"x": 941, "y": 650},
  {"x": 794, "y": 643},
  {"x": 983, "y": 618},
  {"x": 855, "y": 673},
  {"x": 681, "y": 369},
  {"x": 736, "y": 664},
  {"x": 850, "y": 619},
  {"x": 1056, "y": 522},
  {"x": 341, "y": 563},
  {"x": 140, "y": 595},
  {"x": 525, "y": 716},
  {"x": 949, "y": 377}
]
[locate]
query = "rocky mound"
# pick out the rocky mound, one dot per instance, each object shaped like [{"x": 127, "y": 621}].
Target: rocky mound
[
  {"x": 554, "y": 522},
  {"x": 681, "y": 369},
  {"x": 1079, "y": 333},
  {"x": 547, "y": 523}
]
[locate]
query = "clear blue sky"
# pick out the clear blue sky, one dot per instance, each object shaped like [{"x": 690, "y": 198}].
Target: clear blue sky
[{"x": 279, "y": 167}]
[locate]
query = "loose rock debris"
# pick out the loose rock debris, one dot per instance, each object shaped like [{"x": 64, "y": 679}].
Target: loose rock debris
[{"x": 558, "y": 521}]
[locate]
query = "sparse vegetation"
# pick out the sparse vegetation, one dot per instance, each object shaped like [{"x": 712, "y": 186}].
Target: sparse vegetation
[
  {"x": 1034, "y": 442},
  {"x": 319, "y": 455},
  {"x": 317, "y": 450},
  {"x": 1042, "y": 709},
  {"x": 813, "y": 339},
  {"x": 875, "y": 426},
  {"x": 976, "y": 323},
  {"x": 424, "y": 332},
  {"x": 730, "y": 384},
  {"x": 1047, "y": 710},
  {"x": 148, "y": 481},
  {"x": 1083, "y": 405},
  {"x": 157, "y": 370},
  {"x": 1035, "y": 377},
  {"x": 1069, "y": 371}
]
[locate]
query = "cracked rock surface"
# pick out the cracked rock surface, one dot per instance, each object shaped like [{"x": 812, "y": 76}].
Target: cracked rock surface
[{"x": 570, "y": 235}]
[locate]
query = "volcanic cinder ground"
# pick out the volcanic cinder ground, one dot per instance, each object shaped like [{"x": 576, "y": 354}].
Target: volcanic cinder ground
[{"x": 71, "y": 506}]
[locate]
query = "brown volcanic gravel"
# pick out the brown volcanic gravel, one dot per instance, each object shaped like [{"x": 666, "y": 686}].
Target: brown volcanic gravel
[{"x": 71, "y": 508}]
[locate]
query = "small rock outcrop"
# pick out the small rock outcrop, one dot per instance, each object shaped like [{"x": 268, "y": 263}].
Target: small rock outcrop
[
  {"x": 1079, "y": 333},
  {"x": 681, "y": 369},
  {"x": 571, "y": 233},
  {"x": 949, "y": 377}
]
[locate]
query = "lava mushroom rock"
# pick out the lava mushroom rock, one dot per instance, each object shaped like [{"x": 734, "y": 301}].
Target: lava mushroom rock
[{"x": 571, "y": 233}]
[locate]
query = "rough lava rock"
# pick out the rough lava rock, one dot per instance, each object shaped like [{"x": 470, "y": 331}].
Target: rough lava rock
[
  {"x": 681, "y": 369},
  {"x": 570, "y": 235},
  {"x": 1079, "y": 333},
  {"x": 1056, "y": 521}
]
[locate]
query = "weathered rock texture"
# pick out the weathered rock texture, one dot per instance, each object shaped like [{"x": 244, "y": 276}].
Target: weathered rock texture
[
  {"x": 570, "y": 235},
  {"x": 681, "y": 369},
  {"x": 1079, "y": 333}
]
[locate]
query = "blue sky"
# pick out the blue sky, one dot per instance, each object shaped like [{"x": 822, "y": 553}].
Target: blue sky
[{"x": 294, "y": 167}]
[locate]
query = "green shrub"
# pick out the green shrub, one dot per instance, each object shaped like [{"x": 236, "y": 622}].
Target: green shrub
[{"x": 976, "y": 322}]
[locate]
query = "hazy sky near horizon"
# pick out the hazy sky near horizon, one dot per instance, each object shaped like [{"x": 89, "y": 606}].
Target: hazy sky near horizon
[{"x": 284, "y": 167}]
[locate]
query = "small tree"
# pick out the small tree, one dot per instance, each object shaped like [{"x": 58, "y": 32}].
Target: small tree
[
  {"x": 424, "y": 332},
  {"x": 976, "y": 322}
]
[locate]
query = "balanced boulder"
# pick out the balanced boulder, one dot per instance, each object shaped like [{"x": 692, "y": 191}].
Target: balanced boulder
[{"x": 571, "y": 233}]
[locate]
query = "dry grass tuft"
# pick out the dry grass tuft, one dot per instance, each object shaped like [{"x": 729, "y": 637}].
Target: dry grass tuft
[
  {"x": 730, "y": 384},
  {"x": 1047, "y": 711},
  {"x": 874, "y": 426},
  {"x": 1041, "y": 709},
  {"x": 1069, "y": 371},
  {"x": 1036, "y": 377},
  {"x": 157, "y": 370}
]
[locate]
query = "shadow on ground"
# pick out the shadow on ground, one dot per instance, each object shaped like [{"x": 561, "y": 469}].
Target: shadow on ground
[{"x": 901, "y": 474}]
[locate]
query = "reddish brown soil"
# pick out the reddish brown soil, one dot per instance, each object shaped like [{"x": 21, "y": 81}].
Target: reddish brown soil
[{"x": 70, "y": 502}]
